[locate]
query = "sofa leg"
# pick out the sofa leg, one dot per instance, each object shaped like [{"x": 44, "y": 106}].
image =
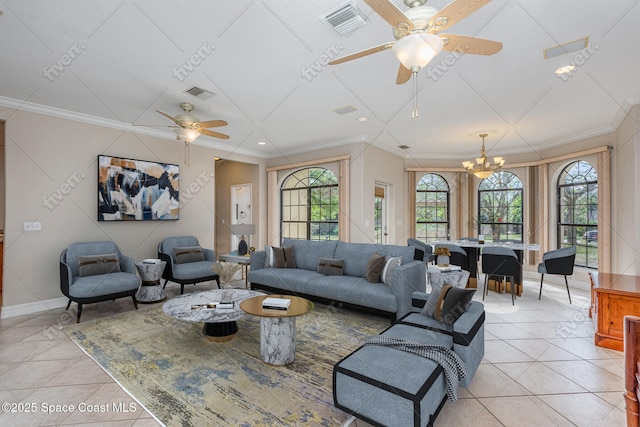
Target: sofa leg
[
  {"x": 135, "y": 303},
  {"x": 79, "y": 313},
  {"x": 181, "y": 288}
]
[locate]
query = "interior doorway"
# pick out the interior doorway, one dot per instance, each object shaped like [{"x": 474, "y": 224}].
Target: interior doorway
[{"x": 241, "y": 212}]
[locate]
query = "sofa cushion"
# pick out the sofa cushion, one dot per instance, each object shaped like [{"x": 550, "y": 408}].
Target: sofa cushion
[
  {"x": 452, "y": 303},
  {"x": 91, "y": 265},
  {"x": 356, "y": 255},
  {"x": 307, "y": 253},
  {"x": 374, "y": 268},
  {"x": 331, "y": 266},
  {"x": 103, "y": 284},
  {"x": 392, "y": 263},
  {"x": 186, "y": 254},
  {"x": 194, "y": 270},
  {"x": 283, "y": 257}
]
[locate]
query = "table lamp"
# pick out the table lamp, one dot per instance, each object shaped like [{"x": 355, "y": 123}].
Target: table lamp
[{"x": 242, "y": 230}]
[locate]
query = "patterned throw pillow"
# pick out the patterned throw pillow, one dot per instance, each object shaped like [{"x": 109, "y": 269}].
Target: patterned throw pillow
[
  {"x": 374, "y": 268},
  {"x": 331, "y": 266},
  {"x": 283, "y": 257},
  {"x": 446, "y": 302},
  {"x": 387, "y": 272},
  {"x": 91, "y": 265},
  {"x": 188, "y": 254}
]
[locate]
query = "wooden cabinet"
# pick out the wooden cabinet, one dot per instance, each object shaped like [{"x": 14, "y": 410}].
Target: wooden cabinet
[{"x": 613, "y": 296}]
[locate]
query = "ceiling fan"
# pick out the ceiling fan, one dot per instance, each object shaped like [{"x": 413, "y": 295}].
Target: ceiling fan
[
  {"x": 416, "y": 40},
  {"x": 188, "y": 128}
]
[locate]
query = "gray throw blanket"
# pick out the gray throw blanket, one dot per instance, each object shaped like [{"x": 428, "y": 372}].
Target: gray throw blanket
[{"x": 454, "y": 368}]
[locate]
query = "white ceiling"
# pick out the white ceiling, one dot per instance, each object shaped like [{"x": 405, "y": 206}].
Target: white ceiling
[{"x": 122, "y": 60}]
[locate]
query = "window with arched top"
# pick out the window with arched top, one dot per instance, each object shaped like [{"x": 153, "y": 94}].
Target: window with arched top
[
  {"x": 500, "y": 208},
  {"x": 578, "y": 212},
  {"x": 309, "y": 205},
  {"x": 432, "y": 208}
]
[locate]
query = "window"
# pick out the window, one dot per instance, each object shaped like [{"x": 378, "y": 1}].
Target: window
[
  {"x": 578, "y": 212},
  {"x": 309, "y": 207},
  {"x": 500, "y": 208},
  {"x": 432, "y": 208}
]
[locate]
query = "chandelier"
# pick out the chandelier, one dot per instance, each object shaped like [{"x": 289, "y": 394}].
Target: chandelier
[{"x": 483, "y": 167}]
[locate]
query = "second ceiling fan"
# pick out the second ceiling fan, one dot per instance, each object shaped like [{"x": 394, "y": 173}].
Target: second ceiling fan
[{"x": 415, "y": 33}]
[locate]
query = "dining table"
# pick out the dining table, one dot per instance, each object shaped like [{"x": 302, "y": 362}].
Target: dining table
[{"x": 473, "y": 248}]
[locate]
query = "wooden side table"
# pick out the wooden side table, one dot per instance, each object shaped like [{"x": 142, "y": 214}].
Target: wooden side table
[{"x": 150, "y": 290}]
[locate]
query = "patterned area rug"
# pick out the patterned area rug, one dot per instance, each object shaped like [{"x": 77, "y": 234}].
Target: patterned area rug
[{"x": 185, "y": 379}]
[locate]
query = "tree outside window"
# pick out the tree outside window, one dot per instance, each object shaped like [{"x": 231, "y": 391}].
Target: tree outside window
[
  {"x": 500, "y": 208},
  {"x": 578, "y": 212},
  {"x": 432, "y": 208},
  {"x": 310, "y": 207}
]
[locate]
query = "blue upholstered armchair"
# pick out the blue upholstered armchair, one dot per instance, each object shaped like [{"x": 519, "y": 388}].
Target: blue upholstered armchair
[
  {"x": 96, "y": 271},
  {"x": 559, "y": 261},
  {"x": 187, "y": 262},
  {"x": 427, "y": 250}
]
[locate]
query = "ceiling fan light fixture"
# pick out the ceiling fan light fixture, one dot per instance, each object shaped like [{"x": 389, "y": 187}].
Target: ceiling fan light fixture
[
  {"x": 187, "y": 135},
  {"x": 417, "y": 50}
]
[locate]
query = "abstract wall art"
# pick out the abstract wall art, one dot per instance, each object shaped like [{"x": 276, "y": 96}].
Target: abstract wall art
[{"x": 137, "y": 190}]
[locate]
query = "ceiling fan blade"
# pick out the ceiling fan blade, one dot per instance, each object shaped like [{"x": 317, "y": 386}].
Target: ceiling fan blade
[
  {"x": 404, "y": 74},
  {"x": 454, "y": 12},
  {"x": 169, "y": 117},
  {"x": 472, "y": 45},
  {"x": 390, "y": 13},
  {"x": 362, "y": 53},
  {"x": 214, "y": 134},
  {"x": 212, "y": 123}
]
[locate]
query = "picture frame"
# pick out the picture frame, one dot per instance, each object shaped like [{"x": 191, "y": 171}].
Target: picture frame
[{"x": 137, "y": 190}]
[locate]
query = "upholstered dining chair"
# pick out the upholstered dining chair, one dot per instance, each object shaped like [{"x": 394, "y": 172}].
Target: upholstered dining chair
[
  {"x": 558, "y": 261},
  {"x": 96, "y": 271},
  {"x": 427, "y": 250},
  {"x": 458, "y": 255},
  {"x": 501, "y": 263},
  {"x": 187, "y": 262}
]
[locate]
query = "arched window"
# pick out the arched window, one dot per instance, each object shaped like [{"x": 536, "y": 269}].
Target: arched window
[
  {"x": 578, "y": 212},
  {"x": 500, "y": 207},
  {"x": 432, "y": 208},
  {"x": 310, "y": 205}
]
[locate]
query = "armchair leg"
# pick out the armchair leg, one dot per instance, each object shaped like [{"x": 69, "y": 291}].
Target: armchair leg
[
  {"x": 79, "y": 313},
  {"x": 566, "y": 282},
  {"x": 68, "y": 305},
  {"x": 135, "y": 303},
  {"x": 181, "y": 288},
  {"x": 165, "y": 283},
  {"x": 218, "y": 282},
  {"x": 541, "y": 279}
]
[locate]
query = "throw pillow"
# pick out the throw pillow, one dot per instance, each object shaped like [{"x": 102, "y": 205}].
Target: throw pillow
[
  {"x": 188, "y": 254},
  {"x": 283, "y": 257},
  {"x": 374, "y": 268},
  {"x": 430, "y": 306},
  {"x": 331, "y": 266},
  {"x": 268, "y": 259},
  {"x": 387, "y": 272},
  {"x": 452, "y": 303},
  {"x": 91, "y": 265}
]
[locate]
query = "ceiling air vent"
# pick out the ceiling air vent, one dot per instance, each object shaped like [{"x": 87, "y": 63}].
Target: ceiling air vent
[
  {"x": 403, "y": 147},
  {"x": 345, "y": 19},
  {"x": 561, "y": 49},
  {"x": 346, "y": 109},
  {"x": 200, "y": 93}
]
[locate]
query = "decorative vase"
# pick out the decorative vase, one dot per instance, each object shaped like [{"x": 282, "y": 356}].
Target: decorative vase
[{"x": 442, "y": 260}]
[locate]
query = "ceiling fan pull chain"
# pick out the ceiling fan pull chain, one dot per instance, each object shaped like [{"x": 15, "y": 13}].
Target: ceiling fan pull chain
[
  {"x": 414, "y": 113},
  {"x": 186, "y": 153}
]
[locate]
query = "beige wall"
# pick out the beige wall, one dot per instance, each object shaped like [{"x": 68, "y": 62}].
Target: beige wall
[{"x": 55, "y": 158}]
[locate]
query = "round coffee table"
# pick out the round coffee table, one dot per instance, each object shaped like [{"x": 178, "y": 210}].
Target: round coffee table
[
  {"x": 277, "y": 327},
  {"x": 219, "y": 323}
]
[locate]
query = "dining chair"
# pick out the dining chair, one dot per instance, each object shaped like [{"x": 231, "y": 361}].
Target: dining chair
[
  {"x": 502, "y": 263},
  {"x": 558, "y": 261}
]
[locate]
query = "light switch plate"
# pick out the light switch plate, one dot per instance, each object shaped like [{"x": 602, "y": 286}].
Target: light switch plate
[{"x": 32, "y": 226}]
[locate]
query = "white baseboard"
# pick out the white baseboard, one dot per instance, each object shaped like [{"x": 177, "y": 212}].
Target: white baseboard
[{"x": 32, "y": 307}]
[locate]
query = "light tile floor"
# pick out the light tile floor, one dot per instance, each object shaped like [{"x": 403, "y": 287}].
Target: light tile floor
[{"x": 540, "y": 368}]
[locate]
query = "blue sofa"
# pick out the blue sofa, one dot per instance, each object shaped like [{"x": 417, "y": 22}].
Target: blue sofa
[{"x": 351, "y": 287}]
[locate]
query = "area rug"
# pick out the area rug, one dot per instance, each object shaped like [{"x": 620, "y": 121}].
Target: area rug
[{"x": 185, "y": 379}]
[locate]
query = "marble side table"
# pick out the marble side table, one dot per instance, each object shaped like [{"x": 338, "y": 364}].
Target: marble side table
[
  {"x": 150, "y": 290},
  {"x": 277, "y": 327}
]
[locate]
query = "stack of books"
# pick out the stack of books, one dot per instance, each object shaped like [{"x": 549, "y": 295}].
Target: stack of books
[
  {"x": 276, "y": 303},
  {"x": 443, "y": 269}
]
